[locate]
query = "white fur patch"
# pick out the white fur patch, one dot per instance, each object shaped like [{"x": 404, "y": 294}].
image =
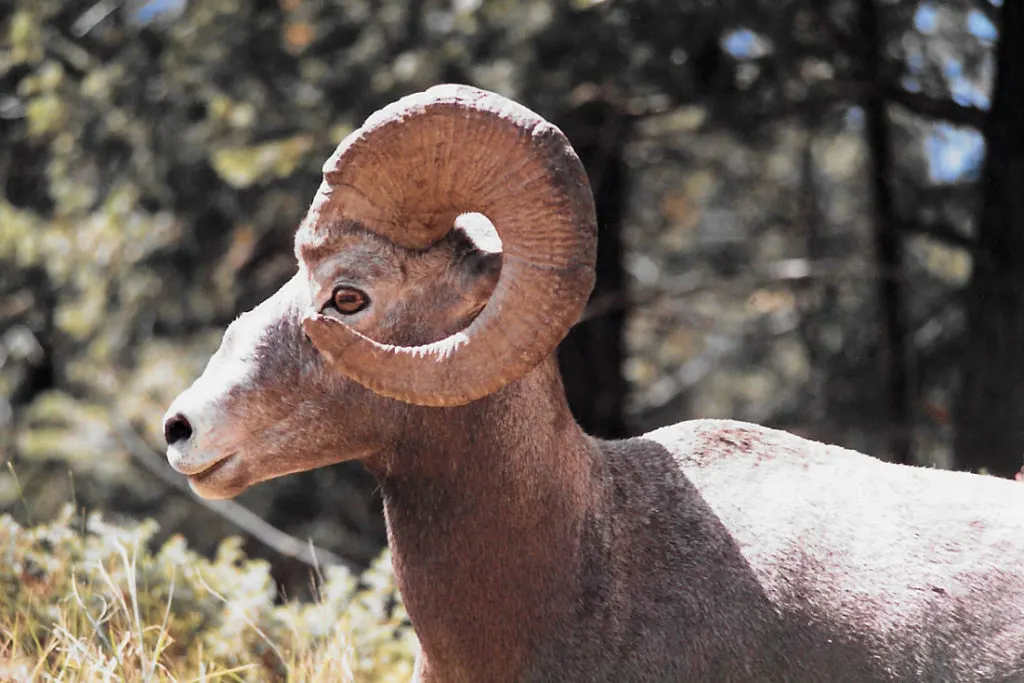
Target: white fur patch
[{"x": 479, "y": 229}]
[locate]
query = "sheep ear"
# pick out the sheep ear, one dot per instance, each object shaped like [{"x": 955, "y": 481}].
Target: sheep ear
[
  {"x": 482, "y": 265},
  {"x": 478, "y": 272},
  {"x": 479, "y": 251}
]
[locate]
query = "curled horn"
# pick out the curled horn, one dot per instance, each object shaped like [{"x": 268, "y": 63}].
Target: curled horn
[{"x": 406, "y": 175}]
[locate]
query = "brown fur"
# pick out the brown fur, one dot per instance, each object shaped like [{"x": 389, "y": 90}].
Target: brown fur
[{"x": 707, "y": 551}]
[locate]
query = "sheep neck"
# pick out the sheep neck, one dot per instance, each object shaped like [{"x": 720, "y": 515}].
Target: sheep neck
[{"x": 484, "y": 525}]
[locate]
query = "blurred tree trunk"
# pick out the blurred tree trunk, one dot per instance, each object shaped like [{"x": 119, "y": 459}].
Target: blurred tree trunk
[
  {"x": 894, "y": 343},
  {"x": 990, "y": 413},
  {"x": 592, "y": 355}
]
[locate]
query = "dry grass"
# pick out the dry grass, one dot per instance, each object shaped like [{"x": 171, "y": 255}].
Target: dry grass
[{"x": 84, "y": 600}]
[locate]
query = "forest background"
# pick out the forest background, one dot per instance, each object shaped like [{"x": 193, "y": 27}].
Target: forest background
[{"x": 811, "y": 217}]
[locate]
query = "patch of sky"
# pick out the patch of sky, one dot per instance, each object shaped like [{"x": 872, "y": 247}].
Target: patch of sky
[
  {"x": 150, "y": 10},
  {"x": 964, "y": 91},
  {"x": 954, "y": 154},
  {"x": 854, "y": 117},
  {"x": 952, "y": 68},
  {"x": 910, "y": 83},
  {"x": 926, "y": 18},
  {"x": 981, "y": 27},
  {"x": 915, "y": 61},
  {"x": 745, "y": 44}
]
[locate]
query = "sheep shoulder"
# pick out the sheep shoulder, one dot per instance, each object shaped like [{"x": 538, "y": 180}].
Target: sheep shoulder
[{"x": 738, "y": 552}]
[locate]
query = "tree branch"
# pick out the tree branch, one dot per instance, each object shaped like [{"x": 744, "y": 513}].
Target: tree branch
[
  {"x": 939, "y": 231},
  {"x": 935, "y": 108}
]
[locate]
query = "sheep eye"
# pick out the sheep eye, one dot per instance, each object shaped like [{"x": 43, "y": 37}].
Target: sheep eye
[{"x": 349, "y": 300}]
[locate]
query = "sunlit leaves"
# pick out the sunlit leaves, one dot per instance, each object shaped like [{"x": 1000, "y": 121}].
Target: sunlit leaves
[{"x": 243, "y": 166}]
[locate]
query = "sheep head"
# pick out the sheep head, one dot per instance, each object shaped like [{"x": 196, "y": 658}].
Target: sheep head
[
  {"x": 400, "y": 307},
  {"x": 268, "y": 404}
]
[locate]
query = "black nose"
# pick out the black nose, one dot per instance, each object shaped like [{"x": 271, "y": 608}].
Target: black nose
[{"x": 177, "y": 429}]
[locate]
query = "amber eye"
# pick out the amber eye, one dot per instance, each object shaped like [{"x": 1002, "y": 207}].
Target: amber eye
[{"x": 348, "y": 300}]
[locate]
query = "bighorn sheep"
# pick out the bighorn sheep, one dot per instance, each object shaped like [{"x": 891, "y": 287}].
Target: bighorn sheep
[{"x": 526, "y": 550}]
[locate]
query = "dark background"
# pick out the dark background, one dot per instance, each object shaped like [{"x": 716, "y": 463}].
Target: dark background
[{"x": 811, "y": 215}]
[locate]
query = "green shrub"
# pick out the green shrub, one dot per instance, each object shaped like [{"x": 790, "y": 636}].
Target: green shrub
[{"x": 85, "y": 600}]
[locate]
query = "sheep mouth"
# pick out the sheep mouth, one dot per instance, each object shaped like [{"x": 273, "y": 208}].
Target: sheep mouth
[{"x": 200, "y": 477}]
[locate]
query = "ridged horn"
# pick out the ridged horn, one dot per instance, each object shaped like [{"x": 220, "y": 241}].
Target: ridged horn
[{"x": 406, "y": 174}]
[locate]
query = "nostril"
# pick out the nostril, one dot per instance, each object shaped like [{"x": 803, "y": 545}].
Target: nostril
[{"x": 177, "y": 429}]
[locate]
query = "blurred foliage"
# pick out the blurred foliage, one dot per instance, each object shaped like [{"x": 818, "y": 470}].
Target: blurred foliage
[{"x": 85, "y": 600}]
